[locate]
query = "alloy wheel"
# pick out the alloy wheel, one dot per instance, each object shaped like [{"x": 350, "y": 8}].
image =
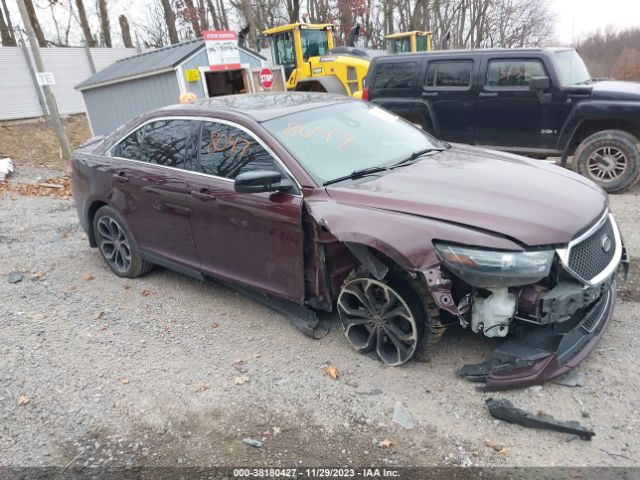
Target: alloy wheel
[
  {"x": 607, "y": 164},
  {"x": 376, "y": 318},
  {"x": 114, "y": 244}
]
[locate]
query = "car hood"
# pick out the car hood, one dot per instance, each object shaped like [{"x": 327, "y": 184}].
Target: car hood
[
  {"x": 529, "y": 201},
  {"x": 612, "y": 90}
]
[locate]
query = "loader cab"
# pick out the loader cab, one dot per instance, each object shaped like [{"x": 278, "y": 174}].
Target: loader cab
[
  {"x": 293, "y": 45},
  {"x": 405, "y": 42}
]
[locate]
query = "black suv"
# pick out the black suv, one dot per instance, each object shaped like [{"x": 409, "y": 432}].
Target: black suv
[{"x": 538, "y": 102}]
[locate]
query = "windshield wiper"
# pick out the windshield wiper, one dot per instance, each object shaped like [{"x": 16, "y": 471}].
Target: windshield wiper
[
  {"x": 414, "y": 156},
  {"x": 357, "y": 174}
]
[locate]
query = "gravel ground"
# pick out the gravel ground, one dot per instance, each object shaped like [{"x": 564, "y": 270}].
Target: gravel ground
[{"x": 145, "y": 372}]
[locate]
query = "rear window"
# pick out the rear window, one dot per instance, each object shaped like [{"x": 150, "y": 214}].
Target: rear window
[
  {"x": 396, "y": 75},
  {"x": 449, "y": 74}
]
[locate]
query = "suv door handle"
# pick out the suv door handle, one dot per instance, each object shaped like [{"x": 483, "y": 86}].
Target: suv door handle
[
  {"x": 202, "y": 194},
  {"x": 121, "y": 177},
  {"x": 488, "y": 94},
  {"x": 430, "y": 94}
]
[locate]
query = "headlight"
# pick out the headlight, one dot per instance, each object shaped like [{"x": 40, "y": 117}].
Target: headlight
[{"x": 495, "y": 269}]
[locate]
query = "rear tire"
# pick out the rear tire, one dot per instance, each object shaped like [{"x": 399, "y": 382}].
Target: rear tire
[
  {"x": 117, "y": 244},
  {"x": 610, "y": 158},
  {"x": 392, "y": 339}
]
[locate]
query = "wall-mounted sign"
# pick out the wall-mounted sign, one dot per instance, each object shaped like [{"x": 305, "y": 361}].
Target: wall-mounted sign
[
  {"x": 266, "y": 78},
  {"x": 192, "y": 75},
  {"x": 46, "y": 78},
  {"x": 222, "y": 49}
]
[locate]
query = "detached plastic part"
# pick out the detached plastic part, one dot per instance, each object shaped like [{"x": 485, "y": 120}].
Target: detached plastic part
[{"x": 504, "y": 410}]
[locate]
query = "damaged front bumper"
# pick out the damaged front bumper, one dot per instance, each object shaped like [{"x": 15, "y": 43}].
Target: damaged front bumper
[{"x": 544, "y": 352}]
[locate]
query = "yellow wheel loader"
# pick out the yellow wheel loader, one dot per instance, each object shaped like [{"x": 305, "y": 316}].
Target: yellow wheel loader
[
  {"x": 404, "y": 42},
  {"x": 311, "y": 62}
]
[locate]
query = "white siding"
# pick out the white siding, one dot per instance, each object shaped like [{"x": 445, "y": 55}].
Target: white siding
[{"x": 18, "y": 96}]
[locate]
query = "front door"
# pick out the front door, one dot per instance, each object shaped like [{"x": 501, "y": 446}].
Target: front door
[
  {"x": 150, "y": 189},
  {"x": 252, "y": 239},
  {"x": 508, "y": 113}
]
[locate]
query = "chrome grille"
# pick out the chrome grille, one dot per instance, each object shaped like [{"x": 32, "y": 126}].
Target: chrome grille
[{"x": 590, "y": 256}]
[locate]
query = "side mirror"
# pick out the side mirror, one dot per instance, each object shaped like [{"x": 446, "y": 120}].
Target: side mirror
[
  {"x": 261, "y": 181},
  {"x": 539, "y": 85}
]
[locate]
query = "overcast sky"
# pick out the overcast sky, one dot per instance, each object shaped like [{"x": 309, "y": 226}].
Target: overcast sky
[{"x": 579, "y": 18}]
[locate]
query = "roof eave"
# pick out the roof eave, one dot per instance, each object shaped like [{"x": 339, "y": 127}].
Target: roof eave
[{"x": 82, "y": 87}]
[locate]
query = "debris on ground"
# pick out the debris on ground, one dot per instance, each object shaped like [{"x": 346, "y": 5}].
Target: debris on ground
[
  {"x": 201, "y": 387},
  {"x": 497, "y": 447},
  {"x": 253, "y": 442},
  {"x": 402, "y": 417},
  {"x": 504, "y": 410},
  {"x": 572, "y": 379},
  {"x": 145, "y": 292},
  {"x": 39, "y": 275},
  {"x": 241, "y": 380},
  {"x": 6, "y": 168},
  {"x": 56, "y": 187},
  {"x": 22, "y": 400},
  {"x": 332, "y": 371},
  {"x": 124, "y": 381},
  {"x": 386, "y": 443},
  {"x": 15, "y": 277},
  {"x": 240, "y": 361},
  {"x": 88, "y": 277}
]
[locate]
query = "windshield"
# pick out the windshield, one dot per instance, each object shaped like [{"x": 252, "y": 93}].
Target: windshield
[
  {"x": 571, "y": 68},
  {"x": 399, "y": 45},
  {"x": 335, "y": 140},
  {"x": 314, "y": 43}
]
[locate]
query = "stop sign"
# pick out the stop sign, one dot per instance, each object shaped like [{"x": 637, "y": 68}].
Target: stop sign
[{"x": 266, "y": 78}]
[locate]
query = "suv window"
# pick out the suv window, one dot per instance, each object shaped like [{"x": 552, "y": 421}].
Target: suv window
[
  {"x": 396, "y": 75},
  {"x": 449, "y": 74},
  {"x": 226, "y": 151},
  {"x": 130, "y": 146},
  {"x": 513, "y": 72},
  {"x": 165, "y": 142}
]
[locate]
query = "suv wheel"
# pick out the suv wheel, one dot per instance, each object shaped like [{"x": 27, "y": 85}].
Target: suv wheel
[
  {"x": 610, "y": 158},
  {"x": 117, "y": 245},
  {"x": 388, "y": 319}
]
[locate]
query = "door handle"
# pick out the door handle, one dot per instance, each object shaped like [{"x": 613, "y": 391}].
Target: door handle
[
  {"x": 121, "y": 177},
  {"x": 430, "y": 94},
  {"x": 488, "y": 94},
  {"x": 202, "y": 194}
]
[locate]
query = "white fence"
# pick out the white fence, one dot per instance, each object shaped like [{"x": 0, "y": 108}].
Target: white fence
[{"x": 70, "y": 66}]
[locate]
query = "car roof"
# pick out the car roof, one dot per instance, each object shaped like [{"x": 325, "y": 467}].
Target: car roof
[
  {"x": 258, "y": 106},
  {"x": 479, "y": 51}
]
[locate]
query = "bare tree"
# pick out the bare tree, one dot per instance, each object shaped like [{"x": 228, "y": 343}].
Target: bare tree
[
  {"x": 31, "y": 11},
  {"x": 105, "y": 27},
  {"x": 6, "y": 33},
  {"x": 89, "y": 39},
  {"x": 190, "y": 14},
  {"x": 155, "y": 29},
  {"x": 126, "y": 31},
  {"x": 170, "y": 21},
  {"x": 293, "y": 10},
  {"x": 214, "y": 15}
]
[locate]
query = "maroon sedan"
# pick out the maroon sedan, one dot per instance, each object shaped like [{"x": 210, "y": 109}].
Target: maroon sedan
[{"x": 312, "y": 202}]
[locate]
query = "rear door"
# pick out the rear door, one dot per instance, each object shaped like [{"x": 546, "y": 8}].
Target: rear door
[
  {"x": 393, "y": 86},
  {"x": 508, "y": 114},
  {"x": 149, "y": 184},
  {"x": 253, "y": 239},
  {"x": 449, "y": 99}
]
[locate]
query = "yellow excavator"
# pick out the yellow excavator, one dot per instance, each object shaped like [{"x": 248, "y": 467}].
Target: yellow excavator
[
  {"x": 313, "y": 63},
  {"x": 403, "y": 42}
]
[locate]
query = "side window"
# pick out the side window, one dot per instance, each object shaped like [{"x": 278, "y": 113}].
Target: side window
[
  {"x": 396, "y": 75},
  {"x": 130, "y": 147},
  {"x": 165, "y": 143},
  {"x": 513, "y": 72},
  {"x": 226, "y": 151},
  {"x": 449, "y": 74}
]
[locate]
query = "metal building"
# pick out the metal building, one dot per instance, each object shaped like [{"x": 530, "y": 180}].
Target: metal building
[{"x": 156, "y": 78}]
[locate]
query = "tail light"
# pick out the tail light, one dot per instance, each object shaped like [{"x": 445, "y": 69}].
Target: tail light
[{"x": 365, "y": 93}]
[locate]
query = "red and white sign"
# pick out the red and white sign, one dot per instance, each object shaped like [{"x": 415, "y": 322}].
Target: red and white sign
[
  {"x": 222, "y": 49},
  {"x": 266, "y": 78}
]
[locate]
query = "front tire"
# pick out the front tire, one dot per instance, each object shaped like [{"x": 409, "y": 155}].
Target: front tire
[
  {"x": 117, "y": 244},
  {"x": 610, "y": 158},
  {"x": 392, "y": 319}
]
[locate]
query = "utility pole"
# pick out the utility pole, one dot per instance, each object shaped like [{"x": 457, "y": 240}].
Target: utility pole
[{"x": 54, "y": 115}]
